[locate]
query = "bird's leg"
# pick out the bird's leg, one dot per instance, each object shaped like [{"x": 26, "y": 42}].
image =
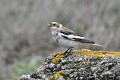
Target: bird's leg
[{"x": 68, "y": 50}]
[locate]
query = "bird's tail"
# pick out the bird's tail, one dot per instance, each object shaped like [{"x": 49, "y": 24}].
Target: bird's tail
[{"x": 98, "y": 45}]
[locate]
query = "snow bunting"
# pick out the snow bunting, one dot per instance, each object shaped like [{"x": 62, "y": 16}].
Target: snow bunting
[{"x": 68, "y": 38}]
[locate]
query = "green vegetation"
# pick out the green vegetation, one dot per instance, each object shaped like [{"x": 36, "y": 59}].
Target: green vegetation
[{"x": 23, "y": 67}]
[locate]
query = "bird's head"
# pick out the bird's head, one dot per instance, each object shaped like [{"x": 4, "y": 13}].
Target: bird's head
[{"x": 55, "y": 25}]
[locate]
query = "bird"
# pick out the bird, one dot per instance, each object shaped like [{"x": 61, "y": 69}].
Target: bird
[{"x": 66, "y": 37}]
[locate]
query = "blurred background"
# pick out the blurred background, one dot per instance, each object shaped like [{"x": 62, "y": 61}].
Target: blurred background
[{"x": 25, "y": 39}]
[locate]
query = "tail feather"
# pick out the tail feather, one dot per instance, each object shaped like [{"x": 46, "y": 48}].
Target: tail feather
[
  {"x": 88, "y": 41},
  {"x": 98, "y": 45}
]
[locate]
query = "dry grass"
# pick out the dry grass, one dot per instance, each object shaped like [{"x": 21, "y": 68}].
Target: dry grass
[{"x": 26, "y": 21}]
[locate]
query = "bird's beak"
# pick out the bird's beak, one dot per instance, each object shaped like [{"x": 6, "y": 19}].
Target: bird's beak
[{"x": 49, "y": 25}]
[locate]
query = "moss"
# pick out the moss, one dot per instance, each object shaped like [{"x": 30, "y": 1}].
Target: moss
[{"x": 57, "y": 74}]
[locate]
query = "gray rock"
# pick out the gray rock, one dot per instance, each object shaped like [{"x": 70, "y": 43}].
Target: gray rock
[{"x": 76, "y": 67}]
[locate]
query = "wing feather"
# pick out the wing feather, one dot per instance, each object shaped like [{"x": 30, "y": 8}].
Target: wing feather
[
  {"x": 71, "y": 35},
  {"x": 67, "y": 31},
  {"x": 77, "y": 38}
]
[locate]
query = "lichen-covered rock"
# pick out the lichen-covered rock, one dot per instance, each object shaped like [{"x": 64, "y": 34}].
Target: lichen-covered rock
[{"x": 79, "y": 65}]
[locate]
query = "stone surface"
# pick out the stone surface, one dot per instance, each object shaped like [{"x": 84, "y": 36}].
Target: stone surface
[{"x": 77, "y": 66}]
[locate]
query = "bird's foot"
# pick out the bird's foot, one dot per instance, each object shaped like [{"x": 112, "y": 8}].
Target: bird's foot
[{"x": 67, "y": 52}]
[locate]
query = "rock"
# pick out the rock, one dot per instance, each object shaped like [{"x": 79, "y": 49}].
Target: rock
[{"x": 79, "y": 65}]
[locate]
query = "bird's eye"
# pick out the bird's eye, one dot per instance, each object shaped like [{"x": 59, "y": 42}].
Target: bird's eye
[{"x": 54, "y": 24}]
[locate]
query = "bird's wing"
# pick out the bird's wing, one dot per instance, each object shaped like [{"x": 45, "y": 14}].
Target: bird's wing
[
  {"x": 71, "y": 35},
  {"x": 76, "y": 38},
  {"x": 84, "y": 40},
  {"x": 67, "y": 31}
]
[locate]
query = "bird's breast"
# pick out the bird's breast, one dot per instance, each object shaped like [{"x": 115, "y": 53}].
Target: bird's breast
[{"x": 67, "y": 43}]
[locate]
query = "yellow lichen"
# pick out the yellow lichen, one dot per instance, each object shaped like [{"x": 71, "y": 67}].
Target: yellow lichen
[
  {"x": 98, "y": 54},
  {"x": 57, "y": 74},
  {"x": 57, "y": 57},
  {"x": 60, "y": 53}
]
